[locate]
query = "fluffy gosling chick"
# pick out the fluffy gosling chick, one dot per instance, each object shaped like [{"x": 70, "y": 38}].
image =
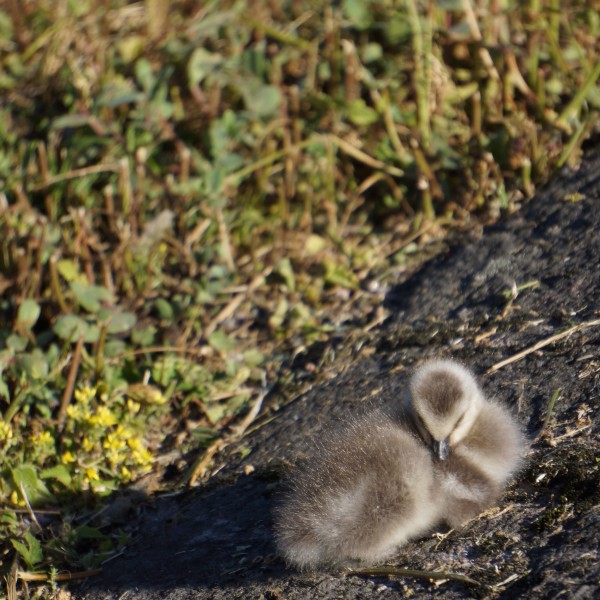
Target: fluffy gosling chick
[{"x": 387, "y": 479}]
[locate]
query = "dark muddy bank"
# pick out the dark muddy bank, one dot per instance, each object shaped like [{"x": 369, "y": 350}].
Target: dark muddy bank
[{"x": 527, "y": 279}]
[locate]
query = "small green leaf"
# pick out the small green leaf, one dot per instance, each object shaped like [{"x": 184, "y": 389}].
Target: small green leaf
[
  {"x": 143, "y": 337},
  {"x": 118, "y": 322},
  {"x": 118, "y": 90},
  {"x": 253, "y": 357},
  {"x": 285, "y": 270},
  {"x": 10, "y": 519},
  {"x": 70, "y": 121},
  {"x": 72, "y": 327},
  {"x": 277, "y": 319},
  {"x": 361, "y": 114},
  {"x": 145, "y": 74},
  {"x": 201, "y": 64},
  {"x": 371, "y": 52},
  {"x": 28, "y": 314},
  {"x": 314, "y": 244},
  {"x": 34, "y": 365},
  {"x": 68, "y": 269},
  {"x": 91, "y": 297},
  {"x": 31, "y": 551},
  {"x": 130, "y": 47},
  {"x": 4, "y": 391},
  {"x": 221, "y": 342},
  {"x": 262, "y": 100},
  {"x": 338, "y": 275},
  {"x": 59, "y": 473},
  {"x": 165, "y": 310},
  {"x": 114, "y": 348},
  {"x": 26, "y": 480},
  {"x": 215, "y": 411},
  {"x": 16, "y": 343},
  {"x": 359, "y": 12},
  {"x": 164, "y": 370}
]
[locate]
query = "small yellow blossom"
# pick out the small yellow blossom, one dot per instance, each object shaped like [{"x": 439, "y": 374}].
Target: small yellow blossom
[
  {"x": 75, "y": 412},
  {"x": 142, "y": 457},
  {"x": 114, "y": 441},
  {"x": 103, "y": 417},
  {"x": 92, "y": 474},
  {"x": 16, "y": 499},
  {"x": 43, "y": 438},
  {"x": 6, "y": 431},
  {"x": 135, "y": 443},
  {"x": 85, "y": 394},
  {"x": 125, "y": 473},
  {"x": 67, "y": 457},
  {"x": 133, "y": 407},
  {"x": 87, "y": 444}
]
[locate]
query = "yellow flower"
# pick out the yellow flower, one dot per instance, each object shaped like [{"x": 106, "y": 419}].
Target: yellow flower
[
  {"x": 67, "y": 457},
  {"x": 102, "y": 418},
  {"x": 43, "y": 438},
  {"x": 16, "y": 499},
  {"x": 133, "y": 407},
  {"x": 75, "y": 412},
  {"x": 125, "y": 473},
  {"x": 142, "y": 457},
  {"x": 85, "y": 394},
  {"x": 92, "y": 474},
  {"x": 87, "y": 445},
  {"x": 114, "y": 441},
  {"x": 6, "y": 431},
  {"x": 135, "y": 443}
]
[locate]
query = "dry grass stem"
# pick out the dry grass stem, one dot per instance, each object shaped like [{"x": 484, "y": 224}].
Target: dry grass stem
[
  {"x": 70, "y": 386},
  {"x": 39, "y": 577},
  {"x": 542, "y": 344},
  {"x": 416, "y": 573}
]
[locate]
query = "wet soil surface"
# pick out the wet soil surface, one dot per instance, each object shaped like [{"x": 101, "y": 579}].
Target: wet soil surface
[{"x": 530, "y": 277}]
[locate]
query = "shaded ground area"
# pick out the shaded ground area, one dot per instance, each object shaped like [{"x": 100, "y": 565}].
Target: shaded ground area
[{"x": 527, "y": 279}]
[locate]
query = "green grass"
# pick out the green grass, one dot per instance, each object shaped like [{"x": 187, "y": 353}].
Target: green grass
[{"x": 191, "y": 193}]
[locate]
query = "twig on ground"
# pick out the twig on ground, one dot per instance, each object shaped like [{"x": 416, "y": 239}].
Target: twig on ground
[
  {"x": 569, "y": 434},
  {"x": 75, "y": 174},
  {"x": 403, "y": 572},
  {"x": 26, "y": 576},
  {"x": 198, "y": 470},
  {"x": 29, "y": 509},
  {"x": 542, "y": 344},
  {"x": 239, "y": 430}
]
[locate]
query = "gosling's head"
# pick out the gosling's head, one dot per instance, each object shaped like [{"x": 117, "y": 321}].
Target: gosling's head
[{"x": 445, "y": 401}]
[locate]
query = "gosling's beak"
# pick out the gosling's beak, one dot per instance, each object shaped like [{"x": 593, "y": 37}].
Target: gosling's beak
[{"x": 441, "y": 449}]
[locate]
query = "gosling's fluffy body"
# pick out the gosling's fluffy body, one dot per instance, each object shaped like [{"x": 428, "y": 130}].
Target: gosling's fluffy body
[
  {"x": 357, "y": 502},
  {"x": 443, "y": 456}
]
